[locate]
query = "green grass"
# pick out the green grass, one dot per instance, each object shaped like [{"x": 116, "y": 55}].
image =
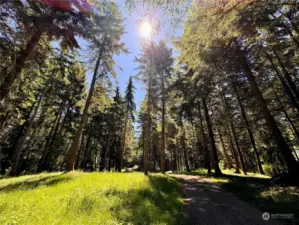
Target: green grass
[
  {"x": 90, "y": 198},
  {"x": 257, "y": 190}
]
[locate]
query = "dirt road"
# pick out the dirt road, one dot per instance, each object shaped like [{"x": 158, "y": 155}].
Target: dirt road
[{"x": 207, "y": 204}]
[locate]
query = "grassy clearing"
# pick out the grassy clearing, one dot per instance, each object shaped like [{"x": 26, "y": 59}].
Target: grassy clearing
[
  {"x": 257, "y": 190},
  {"x": 90, "y": 198}
]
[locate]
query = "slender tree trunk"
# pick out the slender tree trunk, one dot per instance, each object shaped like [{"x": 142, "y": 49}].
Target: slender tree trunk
[
  {"x": 175, "y": 167},
  {"x": 148, "y": 122},
  {"x": 284, "y": 149},
  {"x": 238, "y": 148},
  {"x": 204, "y": 139},
  {"x": 284, "y": 84},
  {"x": 143, "y": 146},
  {"x": 104, "y": 154},
  {"x": 19, "y": 63},
  {"x": 235, "y": 155},
  {"x": 21, "y": 142},
  {"x": 230, "y": 118},
  {"x": 77, "y": 163},
  {"x": 162, "y": 155},
  {"x": 212, "y": 140},
  {"x": 86, "y": 151},
  {"x": 43, "y": 163},
  {"x": 123, "y": 143},
  {"x": 228, "y": 164},
  {"x": 296, "y": 132},
  {"x": 287, "y": 76},
  {"x": 178, "y": 154},
  {"x": 222, "y": 143},
  {"x": 77, "y": 140},
  {"x": 250, "y": 134},
  {"x": 183, "y": 143}
]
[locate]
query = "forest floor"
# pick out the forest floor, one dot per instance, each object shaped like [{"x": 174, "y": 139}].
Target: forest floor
[
  {"x": 236, "y": 199},
  {"x": 78, "y": 198}
]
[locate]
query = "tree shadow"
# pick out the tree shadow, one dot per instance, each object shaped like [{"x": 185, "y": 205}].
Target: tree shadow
[
  {"x": 35, "y": 182},
  {"x": 159, "y": 203},
  {"x": 233, "y": 178},
  {"x": 258, "y": 191}
]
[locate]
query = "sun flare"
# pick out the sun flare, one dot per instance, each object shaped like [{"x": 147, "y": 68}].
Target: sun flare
[{"x": 145, "y": 29}]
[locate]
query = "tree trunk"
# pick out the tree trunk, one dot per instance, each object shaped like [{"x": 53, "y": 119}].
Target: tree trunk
[
  {"x": 250, "y": 134},
  {"x": 123, "y": 143},
  {"x": 175, "y": 167},
  {"x": 49, "y": 141},
  {"x": 21, "y": 142},
  {"x": 183, "y": 143},
  {"x": 284, "y": 149},
  {"x": 230, "y": 118},
  {"x": 204, "y": 139},
  {"x": 148, "y": 122},
  {"x": 77, "y": 140},
  {"x": 296, "y": 132},
  {"x": 178, "y": 154},
  {"x": 86, "y": 151},
  {"x": 77, "y": 163},
  {"x": 224, "y": 151},
  {"x": 222, "y": 143},
  {"x": 212, "y": 140},
  {"x": 235, "y": 155},
  {"x": 19, "y": 63},
  {"x": 238, "y": 148},
  {"x": 162, "y": 155},
  {"x": 287, "y": 76},
  {"x": 104, "y": 154},
  {"x": 284, "y": 84}
]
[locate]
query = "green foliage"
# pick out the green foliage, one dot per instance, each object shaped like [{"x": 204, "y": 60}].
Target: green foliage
[{"x": 268, "y": 168}]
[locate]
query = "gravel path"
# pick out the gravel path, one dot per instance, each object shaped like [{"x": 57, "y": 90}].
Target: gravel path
[{"x": 208, "y": 204}]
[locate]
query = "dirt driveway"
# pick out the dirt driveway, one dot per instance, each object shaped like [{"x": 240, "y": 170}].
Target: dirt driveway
[{"x": 208, "y": 204}]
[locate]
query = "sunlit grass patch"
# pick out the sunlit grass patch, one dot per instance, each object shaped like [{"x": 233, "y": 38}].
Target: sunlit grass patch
[{"x": 90, "y": 198}]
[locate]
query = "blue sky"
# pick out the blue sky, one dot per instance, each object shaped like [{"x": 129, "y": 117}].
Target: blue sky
[
  {"x": 132, "y": 40},
  {"x": 126, "y": 61}
]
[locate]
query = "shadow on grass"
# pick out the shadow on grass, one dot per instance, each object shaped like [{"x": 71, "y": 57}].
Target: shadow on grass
[
  {"x": 35, "y": 182},
  {"x": 158, "y": 204},
  {"x": 233, "y": 178}
]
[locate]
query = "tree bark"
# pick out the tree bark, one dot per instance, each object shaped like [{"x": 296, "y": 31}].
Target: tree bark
[
  {"x": 77, "y": 140},
  {"x": 204, "y": 139},
  {"x": 183, "y": 143},
  {"x": 223, "y": 145},
  {"x": 287, "y": 76},
  {"x": 296, "y": 132},
  {"x": 123, "y": 143},
  {"x": 250, "y": 134},
  {"x": 86, "y": 150},
  {"x": 20, "y": 62},
  {"x": 104, "y": 154},
  {"x": 284, "y": 149},
  {"x": 235, "y": 155},
  {"x": 162, "y": 155},
  {"x": 224, "y": 151},
  {"x": 49, "y": 141},
  {"x": 284, "y": 84},
  {"x": 148, "y": 121},
  {"x": 212, "y": 140},
  {"x": 21, "y": 142}
]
